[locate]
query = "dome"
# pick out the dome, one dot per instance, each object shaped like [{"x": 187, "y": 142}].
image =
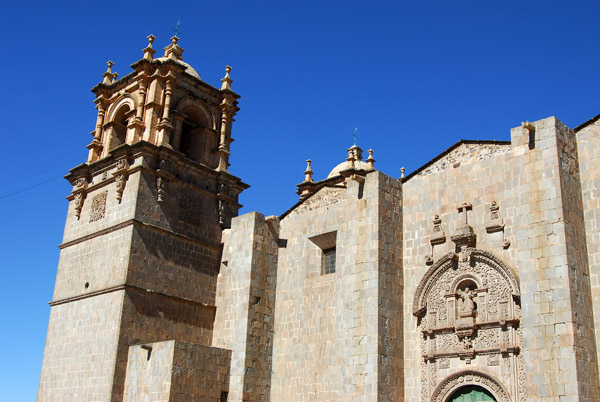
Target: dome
[
  {"x": 188, "y": 69},
  {"x": 360, "y": 165}
]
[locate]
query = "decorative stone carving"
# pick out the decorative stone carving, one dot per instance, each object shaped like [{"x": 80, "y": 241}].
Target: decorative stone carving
[
  {"x": 469, "y": 377},
  {"x": 493, "y": 359},
  {"x": 467, "y": 308},
  {"x": 496, "y": 224},
  {"x": 324, "y": 196},
  {"x": 98, "y": 207},
  {"x": 79, "y": 194},
  {"x": 120, "y": 175},
  {"x": 444, "y": 363},
  {"x": 163, "y": 175},
  {"x": 190, "y": 209},
  {"x": 161, "y": 186},
  {"x": 438, "y": 236},
  {"x": 78, "y": 201}
]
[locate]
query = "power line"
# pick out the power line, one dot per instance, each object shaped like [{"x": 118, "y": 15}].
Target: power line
[{"x": 30, "y": 187}]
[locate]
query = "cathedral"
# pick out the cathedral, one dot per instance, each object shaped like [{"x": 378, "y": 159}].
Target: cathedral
[{"x": 473, "y": 278}]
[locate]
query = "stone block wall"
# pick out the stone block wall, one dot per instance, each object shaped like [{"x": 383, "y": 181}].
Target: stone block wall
[
  {"x": 391, "y": 295},
  {"x": 334, "y": 332},
  {"x": 81, "y": 349},
  {"x": 245, "y": 303},
  {"x": 175, "y": 371},
  {"x": 161, "y": 258},
  {"x": 475, "y": 173},
  {"x": 588, "y": 149},
  {"x": 557, "y": 311}
]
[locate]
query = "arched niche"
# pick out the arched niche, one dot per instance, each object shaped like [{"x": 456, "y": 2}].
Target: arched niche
[{"x": 483, "y": 268}]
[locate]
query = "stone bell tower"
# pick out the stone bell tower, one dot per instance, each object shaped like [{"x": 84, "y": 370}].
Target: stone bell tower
[{"x": 142, "y": 242}]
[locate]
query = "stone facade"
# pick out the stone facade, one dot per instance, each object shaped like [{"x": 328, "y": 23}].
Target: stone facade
[{"x": 479, "y": 271}]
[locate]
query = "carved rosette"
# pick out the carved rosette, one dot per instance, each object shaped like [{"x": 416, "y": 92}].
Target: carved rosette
[
  {"x": 121, "y": 175},
  {"x": 469, "y": 315}
]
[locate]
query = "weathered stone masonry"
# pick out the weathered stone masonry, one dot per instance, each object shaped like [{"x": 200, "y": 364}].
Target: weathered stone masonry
[{"x": 477, "y": 274}]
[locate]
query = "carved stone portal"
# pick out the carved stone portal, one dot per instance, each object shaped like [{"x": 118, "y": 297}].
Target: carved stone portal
[{"x": 468, "y": 312}]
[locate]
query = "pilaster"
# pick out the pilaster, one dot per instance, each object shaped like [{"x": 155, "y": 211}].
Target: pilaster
[
  {"x": 246, "y": 300},
  {"x": 558, "y": 333}
]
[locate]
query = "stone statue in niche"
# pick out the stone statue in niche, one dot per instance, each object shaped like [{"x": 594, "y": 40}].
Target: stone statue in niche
[
  {"x": 467, "y": 306},
  {"x": 466, "y": 312}
]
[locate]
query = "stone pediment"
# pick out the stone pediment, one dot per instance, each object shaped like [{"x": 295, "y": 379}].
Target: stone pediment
[
  {"x": 325, "y": 196},
  {"x": 461, "y": 153}
]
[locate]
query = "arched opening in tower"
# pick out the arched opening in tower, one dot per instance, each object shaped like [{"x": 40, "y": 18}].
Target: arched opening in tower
[
  {"x": 119, "y": 125},
  {"x": 193, "y": 136}
]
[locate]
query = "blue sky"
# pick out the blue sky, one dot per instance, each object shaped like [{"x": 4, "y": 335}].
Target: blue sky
[{"x": 414, "y": 77}]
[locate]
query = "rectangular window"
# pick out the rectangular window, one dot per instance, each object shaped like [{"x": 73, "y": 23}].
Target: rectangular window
[{"x": 329, "y": 261}]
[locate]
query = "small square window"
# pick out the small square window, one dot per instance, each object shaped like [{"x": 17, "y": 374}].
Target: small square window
[{"x": 329, "y": 261}]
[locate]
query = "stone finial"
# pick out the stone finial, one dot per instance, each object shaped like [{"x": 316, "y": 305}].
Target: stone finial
[
  {"x": 402, "y": 170},
  {"x": 350, "y": 159},
  {"x": 109, "y": 76},
  {"x": 174, "y": 51},
  {"x": 357, "y": 152},
  {"x": 370, "y": 160},
  {"x": 226, "y": 80},
  {"x": 149, "y": 51},
  {"x": 308, "y": 172}
]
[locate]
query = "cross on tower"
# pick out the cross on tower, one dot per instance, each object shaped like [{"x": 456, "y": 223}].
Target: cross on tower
[
  {"x": 354, "y": 134},
  {"x": 176, "y": 29}
]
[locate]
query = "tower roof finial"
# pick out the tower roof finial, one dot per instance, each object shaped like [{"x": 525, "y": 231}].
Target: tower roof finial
[
  {"x": 308, "y": 172},
  {"x": 370, "y": 160},
  {"x": 226, "y": 80},
  {"x": 109, "y": 76},
  {"x": 174, "y": 51},
  {"x": 149, "y": 51}
]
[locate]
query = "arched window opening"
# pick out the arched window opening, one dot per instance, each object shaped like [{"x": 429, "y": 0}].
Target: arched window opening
[
  {"x": 472, "y": 393},
  {"x": 119, "y": 127},
  {"x": 193, "y": 139}
]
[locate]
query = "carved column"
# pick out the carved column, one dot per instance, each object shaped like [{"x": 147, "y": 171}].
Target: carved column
[
  {"x": 223, "y": 150},
  {"x": 139, "y": 115},
  {"x": 96, "y": 146},
  {"x": 165, "y": 127}
]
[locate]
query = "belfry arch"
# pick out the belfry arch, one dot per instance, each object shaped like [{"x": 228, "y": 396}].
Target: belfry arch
[{"x": 468, "y": 310}]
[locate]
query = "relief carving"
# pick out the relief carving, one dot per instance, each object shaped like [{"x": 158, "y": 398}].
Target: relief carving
[
  {"x": 470, "y": 377},
  {"x": 466, "y": 308},
  {"x": 323, "y": 197},
  {"x": 120, "y": 175},
  {"x": 438, "y": 236},
  {"x": 79, "y": 194},
  {"x": 493, "y": 359},
  {"x": 98, "y": 208},
  {"x": 190, "y": 209}
]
